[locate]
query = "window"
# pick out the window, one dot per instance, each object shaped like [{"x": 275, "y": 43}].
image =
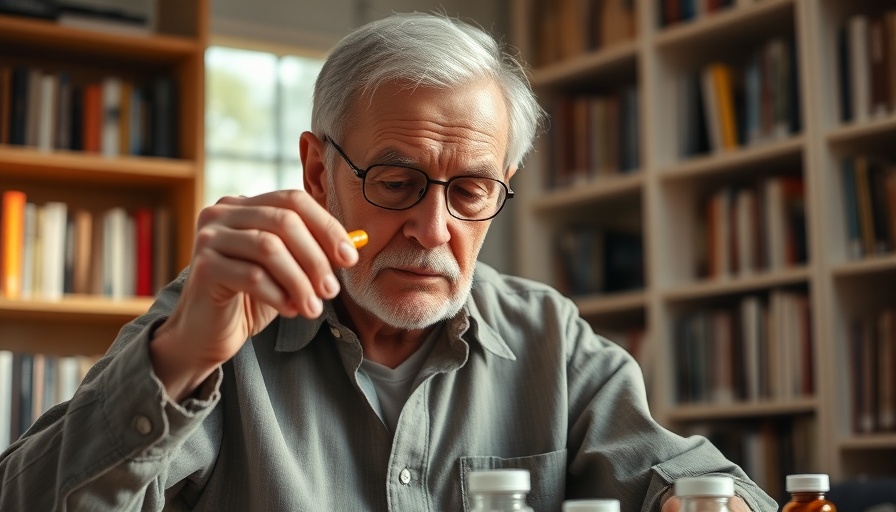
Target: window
[{"x": 257, "y": 105}]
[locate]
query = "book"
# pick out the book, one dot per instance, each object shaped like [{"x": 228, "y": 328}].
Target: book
[
  {"x": 162, "y": 245},
  {"x": 111, "y": 116},
  {"x": 854, "y": 247},
  {"x": 6, "y": 375},
  {"x": 724, "y": 97},
  {"x": 105, "y": 20},
  {"x": 82, "y": 245},
  {"x": 115, "y": 277},
  {"x": 48, "y": 9},
  {"x": 890, "y": 43},
  {"x": 29, "y": 250},
  {"x": 887, "y": 369},
  {"x": 859, "y": 71},
  {"x": 68, "y": 272},
  {"x": 125, "y": 112},
  {"x": 890, "y": 201},
  {"x": 23, "y": 388},
  {"x": 863, "y": 201},
  {"x": 844, "y": 79},
  {"x": 92, "y": 118},
  {"x": 710, "y": 99},
  {"x": 164, "y": 117},
  {"x": 52, "y": 229},
  {"x": 878, "y": 62},
  {"x": 18, "y": 105},
  {"x": 143, "y": 222},
  {"x": 12, "y": 238},
  {"x": 5, "y": 104},
  {"x": 64, "y": 100},
  {"x": 46, "y": 129}
]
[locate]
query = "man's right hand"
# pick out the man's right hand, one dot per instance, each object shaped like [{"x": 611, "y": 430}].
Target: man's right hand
[{"x": 253, "y": 258}]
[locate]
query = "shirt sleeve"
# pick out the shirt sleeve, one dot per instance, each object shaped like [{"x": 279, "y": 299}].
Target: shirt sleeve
[
  {"x": 110, "y": 446},
  {"x": 614, "y": 442}
]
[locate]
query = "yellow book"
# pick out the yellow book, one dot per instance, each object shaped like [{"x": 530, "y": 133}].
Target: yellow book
[{"x": 721, "y": 75}]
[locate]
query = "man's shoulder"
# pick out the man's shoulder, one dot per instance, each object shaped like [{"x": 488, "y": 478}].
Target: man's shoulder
[{"x": 493, "y": 287}]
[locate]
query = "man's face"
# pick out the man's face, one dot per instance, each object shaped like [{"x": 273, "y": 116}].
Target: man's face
[{"x": 418, "y": 267}]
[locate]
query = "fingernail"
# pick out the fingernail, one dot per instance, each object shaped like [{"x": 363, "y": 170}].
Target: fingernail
[
  {"x": 348, "y": 252},
  {"x": 315, "y": 306},
  {"x": 330, "y": 286}
]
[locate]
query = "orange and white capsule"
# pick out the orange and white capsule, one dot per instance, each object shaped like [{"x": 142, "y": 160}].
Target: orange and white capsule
[{"x": 359, "y": 238}]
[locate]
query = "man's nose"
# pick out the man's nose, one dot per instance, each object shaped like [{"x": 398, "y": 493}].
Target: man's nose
[{"x": 428, "y": 220}]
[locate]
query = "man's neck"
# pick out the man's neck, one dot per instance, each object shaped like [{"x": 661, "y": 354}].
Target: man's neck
[{"x": 382, "y": 343}]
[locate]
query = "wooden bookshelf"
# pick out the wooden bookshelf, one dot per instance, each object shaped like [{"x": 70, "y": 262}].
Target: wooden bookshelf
[
  {"x": 81, "y": 324},
  {"x": 664, "y": 200}
]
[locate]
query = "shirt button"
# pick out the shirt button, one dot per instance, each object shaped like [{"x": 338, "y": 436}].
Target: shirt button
[
  {"x": 335, "y": 332},
  {"x": 142, "y": 425},
  {"x": 405, "y": 476}
]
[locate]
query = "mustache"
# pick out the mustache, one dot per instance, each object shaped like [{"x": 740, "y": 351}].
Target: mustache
[{"x": 438, "y": 262}]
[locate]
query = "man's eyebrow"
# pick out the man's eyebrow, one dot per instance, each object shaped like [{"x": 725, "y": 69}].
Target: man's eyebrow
[{"x": 393, "y": 156}]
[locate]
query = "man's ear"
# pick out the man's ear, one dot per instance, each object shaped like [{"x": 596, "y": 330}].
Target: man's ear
[
  {"x": 509, "y": 174},
  {"x": 311, "y": 151}
]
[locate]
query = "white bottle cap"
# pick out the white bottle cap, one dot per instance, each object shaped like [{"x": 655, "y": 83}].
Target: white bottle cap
[
  {"x": 499, "y": 480},
  {"x": 705, "y": 486},
  {"x": 808, "y": 483},
  {"x": 605, "y": 505}
]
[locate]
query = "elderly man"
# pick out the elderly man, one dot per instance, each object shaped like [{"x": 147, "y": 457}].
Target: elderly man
[{"x": 285, "y": 370}]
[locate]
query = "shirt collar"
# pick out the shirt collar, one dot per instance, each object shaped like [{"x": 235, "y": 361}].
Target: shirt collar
[{"x": 296, "y": 333}]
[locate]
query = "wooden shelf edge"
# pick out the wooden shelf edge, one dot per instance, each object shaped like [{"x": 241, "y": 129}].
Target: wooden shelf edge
[
  {"x": 854, "y": 131},
  {"x": 718, "y": 21},
  {"x": 741, "y": 157},
  {"x": 81, "y": 307},
  {"x": 736, "y": 284},
  {"x": 593, "y": 190},
  {"x": 868, "y": 265},
  {"x": 705, "y": 412},
  {"x": 869, "y": 442},
  {"x": 56, "y": 162},
  {"x": 602, "y": 304},
  {"x": 24, "y": 29},
  {"x": 592, "y": 62}
]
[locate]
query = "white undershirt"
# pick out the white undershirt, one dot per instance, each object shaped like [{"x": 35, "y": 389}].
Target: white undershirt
[{"x": 388, "y": 389}]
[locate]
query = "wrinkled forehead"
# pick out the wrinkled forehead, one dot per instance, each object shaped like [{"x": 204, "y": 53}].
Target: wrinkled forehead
[{"x": 472, "y": 118}]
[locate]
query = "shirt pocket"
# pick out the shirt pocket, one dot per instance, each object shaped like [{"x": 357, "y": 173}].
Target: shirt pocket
[{"x": 547, "y": 472}]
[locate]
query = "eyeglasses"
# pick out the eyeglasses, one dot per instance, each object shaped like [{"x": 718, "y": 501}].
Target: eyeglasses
[{"x": 399, "y": 187}]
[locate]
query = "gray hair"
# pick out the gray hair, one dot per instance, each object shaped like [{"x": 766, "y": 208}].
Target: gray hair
[{"x": 430, "y": 50}]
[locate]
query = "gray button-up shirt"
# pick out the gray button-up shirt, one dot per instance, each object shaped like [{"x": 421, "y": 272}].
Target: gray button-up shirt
[{"x": 518, "y": 381}]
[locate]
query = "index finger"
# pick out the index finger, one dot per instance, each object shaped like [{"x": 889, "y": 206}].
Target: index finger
[{"x": 332, "y": 237}]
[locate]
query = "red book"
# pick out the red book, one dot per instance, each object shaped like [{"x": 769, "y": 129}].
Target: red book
[
  {"x": 12, "y": 241},
  {"x": 92, "y": 118},
  {"x": 143, "y": 221}
]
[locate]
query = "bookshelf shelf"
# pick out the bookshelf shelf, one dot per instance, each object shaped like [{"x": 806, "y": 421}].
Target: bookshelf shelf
[
  {"x": 87, "y": 168},
  {"x": 619, "y": 57},
  {"x": 85, "y": 308},
  {"x": 784, "y": 172},
  {"x": 43, "y": 34},
  {"x": 603, "y": 188},
  {"x": 724, "y": 26},
  {"x": 612, "y": 304},
  {"x": 785, "y": 153},
  {"x": 869, "y": 442},
  {"x": 885, "y": 264},
  {"x": 736, "y": 285},
  {"x": 704, "y": 412},
  {"x": 884, "y": 127}
]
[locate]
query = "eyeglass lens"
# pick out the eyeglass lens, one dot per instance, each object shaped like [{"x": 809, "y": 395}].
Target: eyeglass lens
[{"x": 468, "y": 197}]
